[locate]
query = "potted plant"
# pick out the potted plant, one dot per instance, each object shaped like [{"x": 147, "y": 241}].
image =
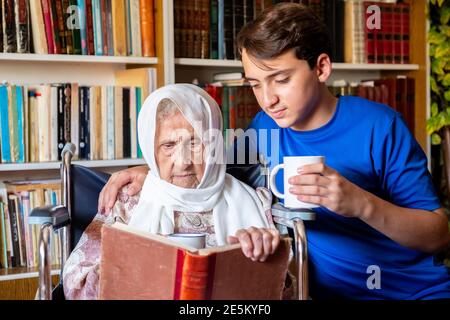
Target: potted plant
[{"x": 438, "y": 125}]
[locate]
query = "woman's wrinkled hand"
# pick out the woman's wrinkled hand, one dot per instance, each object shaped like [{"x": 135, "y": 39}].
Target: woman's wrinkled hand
[
  {"x": 257, "y": 243},
  {"x": 133, "y": 177}
]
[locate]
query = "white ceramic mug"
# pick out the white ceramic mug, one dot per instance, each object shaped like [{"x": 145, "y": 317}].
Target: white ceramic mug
[
  {"x": 290, "y": 166},
  {"x": 195, "y": 240}
]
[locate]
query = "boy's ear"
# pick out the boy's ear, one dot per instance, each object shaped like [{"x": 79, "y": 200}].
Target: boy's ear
[{"x": 323, "y": 67}]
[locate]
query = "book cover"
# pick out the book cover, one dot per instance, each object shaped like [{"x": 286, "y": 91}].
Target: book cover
[
  {"x": 68, "y": 32},
  {"x": 103, "y": 10},
  {"x": 118, "y": 120},
  {"x": 15, "y": 253},
  {"x": 109, "y": 28},
  {"x": 153, "y": 267},
  {"x": 148, "y": 28},
  {"x": 57, "y": 109}
]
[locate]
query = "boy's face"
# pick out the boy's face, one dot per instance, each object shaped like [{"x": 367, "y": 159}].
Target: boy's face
[{"x": 286, "y": 88}]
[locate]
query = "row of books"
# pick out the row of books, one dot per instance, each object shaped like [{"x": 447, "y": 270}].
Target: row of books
[
  {"x": 37, "y": 121},
  {"x": 373, "y": 31},
  {"x": 80, "y": 27},
  {"x": 19, "y": 241},
  {"x": 207, "y": 29},
  {"x": 237, "y": 103},
  {"x": 398, "y": 93},
  {"x": 360, "y": 31}
]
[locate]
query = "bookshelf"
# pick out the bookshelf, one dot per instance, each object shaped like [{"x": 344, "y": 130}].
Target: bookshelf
[{"x": 100, "y": 70}]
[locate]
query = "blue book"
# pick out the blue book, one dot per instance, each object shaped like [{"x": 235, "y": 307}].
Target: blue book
[
  {"x": 20, "y": 123},
  {"x": 82, "y": 21},
  {"x": 221, "y": 28},
  {"x": 138, "y": 107},
  {"x": 98, "y": 32},
  {"x": 4, "y": 124}
]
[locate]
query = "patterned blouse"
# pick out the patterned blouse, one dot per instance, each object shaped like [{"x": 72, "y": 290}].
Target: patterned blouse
[{"x": 81, "y": 271}]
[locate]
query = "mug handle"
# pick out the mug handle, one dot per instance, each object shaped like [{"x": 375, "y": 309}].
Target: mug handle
[{"x": 273, "y": 175}]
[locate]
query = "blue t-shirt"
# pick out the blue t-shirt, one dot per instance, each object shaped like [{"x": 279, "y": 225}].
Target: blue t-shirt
[{"x": 370, "y": 145}]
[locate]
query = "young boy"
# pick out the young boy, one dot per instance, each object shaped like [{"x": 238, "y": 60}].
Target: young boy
[{"x": 380, "y": 221}]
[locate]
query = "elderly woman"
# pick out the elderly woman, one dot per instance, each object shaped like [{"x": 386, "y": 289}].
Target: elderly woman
[{"x": 186, "y": 190}]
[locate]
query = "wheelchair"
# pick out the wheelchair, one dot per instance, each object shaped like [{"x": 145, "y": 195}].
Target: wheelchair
[{"x": 80, "y": 188}]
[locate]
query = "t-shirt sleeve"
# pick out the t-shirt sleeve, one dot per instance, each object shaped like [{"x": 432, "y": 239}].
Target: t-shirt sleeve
[{"x": 402, "y": 168}]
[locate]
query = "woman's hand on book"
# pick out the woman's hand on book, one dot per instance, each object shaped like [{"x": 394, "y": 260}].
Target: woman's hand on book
[
  {"x": 133, "y": 177},
  {"x": 257, "y": 243}
]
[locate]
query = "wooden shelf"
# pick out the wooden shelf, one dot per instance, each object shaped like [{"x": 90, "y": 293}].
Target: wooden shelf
[
  {"x": 23, "y": 273},
  {"x": 336, "y": 66},
  {"x": 64, "y": 58},
  {"x": 56, "y": 165}
]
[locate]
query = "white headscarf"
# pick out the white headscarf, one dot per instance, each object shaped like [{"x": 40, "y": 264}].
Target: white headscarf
[{"x": 234, "y": 204}]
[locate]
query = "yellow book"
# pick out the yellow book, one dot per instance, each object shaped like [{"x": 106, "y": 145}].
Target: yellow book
[{"x": 119, "y": 28}]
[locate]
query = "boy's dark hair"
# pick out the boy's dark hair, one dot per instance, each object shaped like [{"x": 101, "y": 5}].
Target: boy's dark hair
[{"x": 282, "y": 27}]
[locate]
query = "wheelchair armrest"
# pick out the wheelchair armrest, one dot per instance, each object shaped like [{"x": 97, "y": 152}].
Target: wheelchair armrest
[
  {"x": 278, "y": 210},
  {"x": 57, "y": 216}
]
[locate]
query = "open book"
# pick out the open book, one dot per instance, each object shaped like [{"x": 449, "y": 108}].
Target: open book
[{"x": 139, "y": 265}]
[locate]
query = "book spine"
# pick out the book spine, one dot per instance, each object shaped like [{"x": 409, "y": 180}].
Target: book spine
[
  {"x": 75, "y": 118},
  {"x": 178, "y": 25},
  {"x": 67, "y": 116},
  {"x": 387, "y": 31},
  {"x": 405, "y": 21},
  {"x": 15, "y": 253},
  {"x": 238, "y": 22},
  {"x": 68, "y": 33},
  {"x": 58, "y": 15},
  {"x": 104, "y": 27},
  {"x": 1, "y": 25},
  {"x": 59, "y": 106},
  {"x": 370, "y": 37},
  {"x": 196, "y": 28},
  {"x": 118, "y": 115},
  {"x": 90, "y": 28},
  {"x": 147, "y": 28},
  {"x": 136, "y": 28},
  {"x": 9, "y": 27},
  {"x": 13, "y": 122},
  {"x": 83, "y": 26},
  {"x": 97, "y": 22},
  {"x": 4, "y": 125},
  {"x": 119, "y": 28},
  {"x": 214, "y": 31},
  {"x": 133, "y": 123},
  {"x": 74, "y": 28},
  {"x": 110, "y": 122},
  {"x": 397, "y": 34},
  {"x": 109, "y": 28},
  {"x": 3, "y": 239},
  {"x": 22, "y": 16},
  {"x": 129, "y": 34},
  {"x": 46, "y": 11},
  {"x": 37, "y": 28},
  {"x": 248, "y": 11},
  {"x": 20, "y": 125},
  {"x": 138, "y": 107},
  {"x": 221, "y": 30},
  {"x": 196, "y": 277},
  {"x": 81, "y": 128},
  {"x": 228, "y": 31},
  {"x": 126, "y": 123}
]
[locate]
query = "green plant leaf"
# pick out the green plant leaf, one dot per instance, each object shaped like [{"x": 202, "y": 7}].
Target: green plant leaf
[
  {"x": 434, "y": 109},
  {"x": 435, "y": 139},
  {"x": 440, "y": 2},
  {"x": 437, "y": 66},
  {"x": 434, "y": 85},
  {"x": 445, "y": 15},
  {"x": 447, "y": 95},
  {"x": 443, "y": 50},
  {"x": 446, "y": 80},
  {"x": 445, "y": 30},
  {"x": 435, "y": 37}
]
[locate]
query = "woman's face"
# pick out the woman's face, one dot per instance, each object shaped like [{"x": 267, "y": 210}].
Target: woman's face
[{"x": 179, "y": 152}]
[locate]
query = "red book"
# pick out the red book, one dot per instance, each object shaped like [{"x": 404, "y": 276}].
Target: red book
[
  {"x": 90, "y": 28},
  {"x": 48, "y": 26},
  {"x": 397, "y": 34},
  {"x": 387, "y": 30},
  {"x": 371, "y": 35},
  {"x": 404, "y": 17},
  {"x": 153, "y": 267}
]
